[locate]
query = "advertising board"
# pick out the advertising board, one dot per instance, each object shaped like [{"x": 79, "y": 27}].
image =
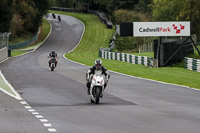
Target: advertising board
[{"x": 161, "y": 29}]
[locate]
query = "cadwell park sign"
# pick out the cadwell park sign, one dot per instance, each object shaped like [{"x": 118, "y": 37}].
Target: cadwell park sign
[
  {"x": 142, "y": 29},
  {"x": 161, "y": 28}
]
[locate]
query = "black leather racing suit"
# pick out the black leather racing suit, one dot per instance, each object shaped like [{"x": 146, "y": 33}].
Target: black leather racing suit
[{"x": 53, "y": 55}]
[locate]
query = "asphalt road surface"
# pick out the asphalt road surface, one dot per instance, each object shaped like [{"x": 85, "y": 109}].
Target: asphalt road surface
[{"x": 129, "y": 105}]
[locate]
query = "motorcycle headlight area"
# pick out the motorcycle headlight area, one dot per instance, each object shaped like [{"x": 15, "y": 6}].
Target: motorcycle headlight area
[{"x": 97, "y": 82}]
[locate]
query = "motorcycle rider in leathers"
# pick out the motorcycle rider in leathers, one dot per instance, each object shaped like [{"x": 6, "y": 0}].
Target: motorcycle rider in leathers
[
  {"x": 98, "y": 65},
  {"x": 53, "y": 54}
]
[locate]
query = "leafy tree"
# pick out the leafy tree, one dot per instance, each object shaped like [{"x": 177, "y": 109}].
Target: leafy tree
[
  {"x": 27, "y": 15},
  {"x": 129, "y": 16},
  {"x": 178, "y": 10},
  {"x": 6, "y": 14},
  {"x": 144, "y": 6},
  {"x": 64, "y": 3},
  {"x": 42, "y": 7},
  {"x": 190, "y": 12},
  {"x": 27, "y": 12},
  {"x": 166, "y": 10}
]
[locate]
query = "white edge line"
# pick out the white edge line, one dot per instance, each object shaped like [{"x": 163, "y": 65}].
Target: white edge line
[
  {"x": 122, "y": 73},
  {"x": 39, "y": 116},
  {"x": 47, "y": 124},
  {"x": 77, "y": 43},
  {"x": 35, "y": 113},
  {"x": 23, "y": 102},
  {"x": 52, "y": 130},
  {"x": 28, "y": 107},
  {"x": 43, "y": 120},
  {"x": 16, "y": 96},
  {"x": 81, "y": 35},
  {"x": 31, "y": 110},
  {"x": 4, "y": 60}
]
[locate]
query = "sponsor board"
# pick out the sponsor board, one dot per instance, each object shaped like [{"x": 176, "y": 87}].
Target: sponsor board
[{"x": 161, "y": 29}]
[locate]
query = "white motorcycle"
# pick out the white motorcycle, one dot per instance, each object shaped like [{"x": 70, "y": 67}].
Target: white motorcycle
[
  {"x": 97, "y": 86},
  {"x": 52, "y": 63}
]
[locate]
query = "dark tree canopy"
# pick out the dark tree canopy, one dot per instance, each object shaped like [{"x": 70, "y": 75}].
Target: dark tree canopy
[
  {"x": 21, "y": 16},
  {"x": 6, "y": 13}
]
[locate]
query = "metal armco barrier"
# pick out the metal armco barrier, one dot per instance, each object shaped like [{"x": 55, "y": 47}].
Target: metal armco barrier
[
  {"x": 3, "y": 54},
  {"x": 142, "y": 60},
  {"x": 192, "y": 64},
  {"x": 23, "y": 44}
]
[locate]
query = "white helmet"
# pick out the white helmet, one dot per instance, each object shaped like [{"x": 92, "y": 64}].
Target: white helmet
[{"x": 98, "y": 63}]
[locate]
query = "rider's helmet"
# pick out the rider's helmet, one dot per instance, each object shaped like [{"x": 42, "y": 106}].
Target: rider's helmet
[
  {"x": 98, "y": 63},
  {"x": 53, "y": 51}
]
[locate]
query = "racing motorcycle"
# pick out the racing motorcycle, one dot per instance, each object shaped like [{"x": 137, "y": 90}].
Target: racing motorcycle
[
  {"x": 52, "y": 63},
  {"x": 97, "y": 86},
  {"x": 59, "y": 18}
]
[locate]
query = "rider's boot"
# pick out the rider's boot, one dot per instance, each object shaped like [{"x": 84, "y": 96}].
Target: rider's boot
[
  {"x": 88, "y": 91},
  {"x": 88, "y": 86}
]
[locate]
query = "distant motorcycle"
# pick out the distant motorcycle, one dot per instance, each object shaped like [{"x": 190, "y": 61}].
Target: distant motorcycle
[
  {"x": 53, "y": 15},
  {"x": 97, "y": 87},
  {"x": 59, "y": 18},
  {"x": 52, "y": 63}
]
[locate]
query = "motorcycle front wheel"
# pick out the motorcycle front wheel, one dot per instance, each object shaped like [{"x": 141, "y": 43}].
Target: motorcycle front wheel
[
  {"x": 91, "y": 101},
  {"x": 98, "y": 93}
]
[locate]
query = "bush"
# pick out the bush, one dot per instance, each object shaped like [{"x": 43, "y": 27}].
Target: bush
[
  {"x": 128, "y": 43},
  {"x": 129, "y": 16}
]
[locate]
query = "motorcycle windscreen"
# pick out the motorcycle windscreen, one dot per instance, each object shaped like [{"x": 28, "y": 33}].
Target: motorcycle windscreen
[{"x": 98, "y": 72}]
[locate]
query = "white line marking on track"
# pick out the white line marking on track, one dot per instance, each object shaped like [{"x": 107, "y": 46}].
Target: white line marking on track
[
  {"x": 81, "y": 35},
  {"x": 31, "y": 110},
  {"x": 35, "y": 113},
  {"x": 18, "y": 97},
  {"x": 16, "y": 94},
  {"x": 23, "y": 102},
  {"x": 39, "y": 116},
  {"x": 52, "y": 130},
  {"x": 43, "y": 120},
  {"x": 47, "y": 125},
  {"x": 27, "y": 107}
]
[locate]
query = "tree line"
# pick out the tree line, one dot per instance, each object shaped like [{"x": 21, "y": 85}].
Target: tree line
[
  {"x": 144, "y": 10},
  {"x": 22, "y": 16},
  {"x": 141, "y": 11}
]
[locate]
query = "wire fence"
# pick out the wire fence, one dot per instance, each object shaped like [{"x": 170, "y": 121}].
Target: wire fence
[
  {"x": 23, "y": 44},
  {"x": 4, "y": 39}
]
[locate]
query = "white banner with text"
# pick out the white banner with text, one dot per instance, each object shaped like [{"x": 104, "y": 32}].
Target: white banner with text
[{"x": 161, "y": 29}]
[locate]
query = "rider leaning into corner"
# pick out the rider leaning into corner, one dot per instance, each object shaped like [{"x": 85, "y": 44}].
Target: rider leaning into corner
[
  {"x": 53, "y": 54},
  {"x": 97, "y": 66}
]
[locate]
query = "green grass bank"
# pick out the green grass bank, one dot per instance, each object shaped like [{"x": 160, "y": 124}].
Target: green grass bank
[{"x": 97, "y": 35}]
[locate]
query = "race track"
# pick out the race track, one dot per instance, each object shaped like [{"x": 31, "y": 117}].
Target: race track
[{"x": 129, "y": 105}]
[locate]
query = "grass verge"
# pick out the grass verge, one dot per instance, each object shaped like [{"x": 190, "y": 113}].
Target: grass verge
[
  {"x": 4, "y": 86},
  {"x": 16, "y": 53},
  {"x": 97, "y": 35},
  {"x": 148, "y": 54}
]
